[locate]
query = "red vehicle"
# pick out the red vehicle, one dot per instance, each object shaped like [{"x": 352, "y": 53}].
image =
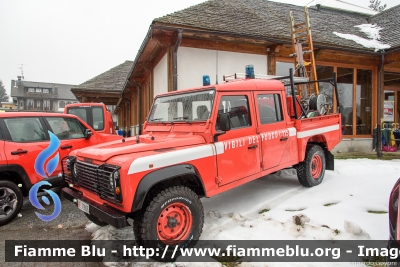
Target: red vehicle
[
  {"x": 23, "y": 135},
  {"x": 94, "y": 114},
  {"x": 198, "y": 143}
]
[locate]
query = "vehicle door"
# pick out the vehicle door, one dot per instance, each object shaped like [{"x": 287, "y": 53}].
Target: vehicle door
[
  {"x": 3, "y": 159},
  {"x": 25, "y": 138},
  {"x": 275, "y": 148},
  {"x": 94, "y": 116},
  {"x": 70, "y": 132},
  {"x": 238, "y": 154}
]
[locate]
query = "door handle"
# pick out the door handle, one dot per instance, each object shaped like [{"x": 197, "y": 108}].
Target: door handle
[
  {"x": 65, "y": 147},
  {"x": 19, "y": 152},
  {"x": 254, "y": 146},
  {"x": 284, "y": 138}
]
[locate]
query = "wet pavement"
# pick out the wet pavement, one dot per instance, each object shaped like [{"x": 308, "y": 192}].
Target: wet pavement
[{"x": 69, "y": 225}]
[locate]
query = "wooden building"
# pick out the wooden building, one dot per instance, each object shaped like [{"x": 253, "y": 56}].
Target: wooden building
[{"x": 220, "y": 37}]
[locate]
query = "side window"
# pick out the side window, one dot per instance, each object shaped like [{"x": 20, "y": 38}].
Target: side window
[
  {"x": 98, "y": 118},
  {"x": 25, "y": 129},
  {"x": 269, "y": 108},
  {"x": 65, "y": 128},
  {"x": 238, "y": 109}
]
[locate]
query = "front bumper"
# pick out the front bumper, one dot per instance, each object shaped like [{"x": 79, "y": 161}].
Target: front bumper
[{"x": 107, "y": 214}]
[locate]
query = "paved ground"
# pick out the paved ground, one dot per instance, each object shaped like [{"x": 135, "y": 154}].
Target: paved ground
[{"x": 69, "y": 225}]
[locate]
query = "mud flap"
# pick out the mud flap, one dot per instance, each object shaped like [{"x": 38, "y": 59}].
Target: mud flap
[{"x": 329, "y": 160}]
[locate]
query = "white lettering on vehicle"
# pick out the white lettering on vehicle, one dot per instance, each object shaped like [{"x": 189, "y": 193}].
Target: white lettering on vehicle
[{"x": 253, "y": 139}]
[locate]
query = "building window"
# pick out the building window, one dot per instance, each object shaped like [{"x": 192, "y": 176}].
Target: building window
[
  {"x": 38, "y": 104},
  {"x": 30, "y": 104},
  {"x": 46, "y": 91},
  {"x": 326, "y": 72},
  {"x": 38, "y": 90},
  {"x": 46, "y": 104},
  {"x": 31, "y": 90},
  {"x": 363, "y": 102},
  {"x": 61, "y": 104},
  {"x": 345, "y": 90}
]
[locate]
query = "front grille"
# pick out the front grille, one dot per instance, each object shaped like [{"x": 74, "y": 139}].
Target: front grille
[{"x": 94, "y": 178}]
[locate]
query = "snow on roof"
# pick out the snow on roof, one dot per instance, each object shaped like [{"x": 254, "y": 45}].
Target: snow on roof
[
  {"x": 342, "y": 5},
  {"x": 372, "y": 31}
]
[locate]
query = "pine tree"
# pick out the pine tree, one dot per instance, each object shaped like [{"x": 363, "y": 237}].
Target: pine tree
[
  {"x": 3, "y": 94},
  {"x": 376, "y": 5}
]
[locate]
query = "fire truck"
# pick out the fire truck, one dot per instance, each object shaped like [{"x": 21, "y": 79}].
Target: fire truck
[{"x": 200, "y": 142}]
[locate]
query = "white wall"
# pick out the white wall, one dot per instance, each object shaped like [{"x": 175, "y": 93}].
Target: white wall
[
  {"x": 161, "y": 77},
  {"x": 193, "y": 63}
]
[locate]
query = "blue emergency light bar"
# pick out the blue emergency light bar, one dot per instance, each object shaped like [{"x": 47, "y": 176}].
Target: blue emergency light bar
[
  {"x": 250, "y": 72},
  {"x": 206, "y": 80}
]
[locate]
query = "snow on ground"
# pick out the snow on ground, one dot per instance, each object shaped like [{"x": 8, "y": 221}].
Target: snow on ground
[
  {"x": 265, "y": 209},
  {"x": 372, "y": 31}
]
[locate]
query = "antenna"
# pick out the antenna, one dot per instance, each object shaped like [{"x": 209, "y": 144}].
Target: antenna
[
  {"x": 22, "y": 70},
  {"x": 216, "y": 78}
]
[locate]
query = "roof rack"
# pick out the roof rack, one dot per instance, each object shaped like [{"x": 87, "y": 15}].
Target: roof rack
[{"x": 284, "y": 79}]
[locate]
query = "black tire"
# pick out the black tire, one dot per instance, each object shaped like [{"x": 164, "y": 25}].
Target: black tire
[
  {"x": 311, "y": 171},
  {"x": 11, "y": 200},
  {"x": 176, "y": 208},
  {"x": 95, "y": 220}
]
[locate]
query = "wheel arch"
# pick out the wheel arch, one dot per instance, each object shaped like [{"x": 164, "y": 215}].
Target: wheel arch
[
  {"x": 17, "y": 175},
  {"x": 182, "y": 174}
]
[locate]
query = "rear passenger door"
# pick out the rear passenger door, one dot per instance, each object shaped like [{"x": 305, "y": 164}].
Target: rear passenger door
[
  {"x": 239, "y": 150},
  {"x": 275, "y": 149},
  {"x": 25, "y": 138}
]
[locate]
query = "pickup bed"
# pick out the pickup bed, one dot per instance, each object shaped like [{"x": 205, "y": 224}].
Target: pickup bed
[{"x": 198, "y": 143}]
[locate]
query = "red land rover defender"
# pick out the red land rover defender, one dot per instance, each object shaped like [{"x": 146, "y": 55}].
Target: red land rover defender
[{"x": 198, "y": 143}]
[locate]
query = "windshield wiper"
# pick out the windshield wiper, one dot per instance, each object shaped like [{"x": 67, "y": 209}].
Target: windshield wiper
[
  {"x": 157, "y": 119},
  {"x": 181, "y": 118}
]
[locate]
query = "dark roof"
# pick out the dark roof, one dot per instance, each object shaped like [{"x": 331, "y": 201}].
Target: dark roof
[
  {"x": 113, "y": 80},
  {"x": 389, "y": 20},
  {"x": 64, "y": 90},
  {"x": 261, "y": 18}
]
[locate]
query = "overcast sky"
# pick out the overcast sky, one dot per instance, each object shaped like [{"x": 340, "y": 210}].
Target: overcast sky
[{"x": 72, "y": 41}]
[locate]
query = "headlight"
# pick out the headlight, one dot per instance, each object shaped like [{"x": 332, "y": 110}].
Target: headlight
[
  {"x": 74, "y": 170},
  {"x": 113, "y": 178}
]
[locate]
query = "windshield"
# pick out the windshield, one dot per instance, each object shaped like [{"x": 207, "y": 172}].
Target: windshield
[{"x": 183, "y": 107}]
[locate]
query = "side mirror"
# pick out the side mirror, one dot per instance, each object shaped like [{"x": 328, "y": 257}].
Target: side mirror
[
  {"x": 224, "y": 122},
  {"x": 88, "y": 133}
]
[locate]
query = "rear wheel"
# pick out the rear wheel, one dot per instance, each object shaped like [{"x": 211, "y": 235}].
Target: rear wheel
[
  {"x": 11, "y": 200},
  {"x": 311, "y": 171},
  {"x": 172, "y": 217}
]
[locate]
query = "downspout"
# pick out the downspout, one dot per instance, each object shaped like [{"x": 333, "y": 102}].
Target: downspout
[
  {"x": 378, "y": 127},
  {"x": 139, "y": 104},
  {"x": 175, "y": 61},
  {"x": 128, "y": 117}
]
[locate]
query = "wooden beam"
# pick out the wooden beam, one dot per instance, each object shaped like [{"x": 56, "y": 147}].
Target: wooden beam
[
  {"x": 392, "y": 57},
  {"x": 271, "y": 59},
  {"x": 162, "y": 37},
  {"x": 225, "y": 46},
  {"x": 347, "y": 58}
]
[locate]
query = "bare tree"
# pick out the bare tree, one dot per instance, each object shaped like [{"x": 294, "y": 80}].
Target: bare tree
[
  {"x": 3, "y": 94},
  {"x": 376, "y": 5}
]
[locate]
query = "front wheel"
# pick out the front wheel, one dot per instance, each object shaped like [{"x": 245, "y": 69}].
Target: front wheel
[
  {"x": 311, "y": 171},
  {"x": 173, "y": 217},
  {"x": 11, "y": 200}
]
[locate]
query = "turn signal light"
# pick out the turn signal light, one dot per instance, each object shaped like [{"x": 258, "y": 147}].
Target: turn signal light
[{"x": 117, "y": 190}]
